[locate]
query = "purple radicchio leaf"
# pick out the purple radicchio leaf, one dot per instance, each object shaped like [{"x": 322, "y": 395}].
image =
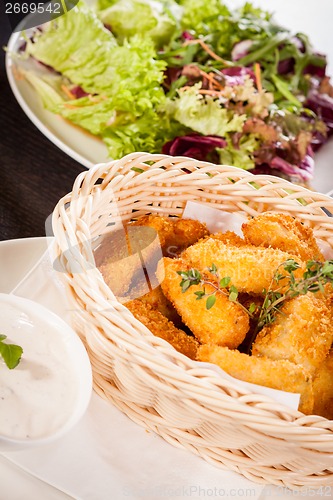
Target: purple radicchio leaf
[
  {"x": 241, "y": 49},
  {"x": 303, "y": 171},
  {"x": 195, "y": 146},
  {"x": 78, "y": 92},
  {"x": 236, "y": 75},
  {"x": 322, "y": 105}
]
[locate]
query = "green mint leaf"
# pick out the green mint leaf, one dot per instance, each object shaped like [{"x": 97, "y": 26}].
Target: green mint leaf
[
  {"x": 10, "y": 353},
  {"x": 224, "y": 282},
  {"x": 200, "y": 294},
  {"x": 210, "y": 301}
]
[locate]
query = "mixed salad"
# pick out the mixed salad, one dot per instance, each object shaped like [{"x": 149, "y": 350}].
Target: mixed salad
[{"x": 191, "y": 77}]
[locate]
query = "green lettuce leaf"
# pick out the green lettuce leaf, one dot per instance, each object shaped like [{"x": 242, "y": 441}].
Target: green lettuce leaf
[
  {"x": 203, "y": 114},
  {"x": 222, "y": 28},
  {"x": 104, "y": 4},
  {"x": 203, "y": 17},
  {"x": 146, "y": 17},
  {"x": 78, "y": 46},
  {"x": 147, "y": 133},
  {"x": 123, "y": 81},
  {"x": 48, "y": 92},
  {"x": 242, "y": 155}
]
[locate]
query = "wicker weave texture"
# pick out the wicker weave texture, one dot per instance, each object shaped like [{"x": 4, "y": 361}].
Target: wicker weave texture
[{"x": 188, "y": 405}]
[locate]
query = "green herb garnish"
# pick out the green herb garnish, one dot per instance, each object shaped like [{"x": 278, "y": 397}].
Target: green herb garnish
[
  {"x": 10, "y": 353},
  {"x": 195, "y": 277},
  {"x": 315, "y": 277}
]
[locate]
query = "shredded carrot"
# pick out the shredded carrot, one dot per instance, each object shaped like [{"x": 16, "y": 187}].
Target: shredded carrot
[
  {"x": 257, "y": 72},
  {"x": 67, "y": 92},
  {"x": 207, "y": 49},
  {"x": 210, "y": 92},
  {"x": 211, "y": 79},
  {"x": 203, "y": 91}
]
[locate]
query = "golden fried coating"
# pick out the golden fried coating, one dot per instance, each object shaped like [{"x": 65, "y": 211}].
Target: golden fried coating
[
  {"x": 224, "y": 324},
  {"x": 161, "y": 327},
  {"x": 229, "y": 238},
  {"x": 283, "y": 232},
  {"x": 323, "y": 389},
  {"x": 302, "y": 333},
  {"x": 175, "y": 234},
  {"x": 281, "y": 375},
  {"x": 156, "y": 299},
  {"x": 123, "y": 254},
  {"x": 250, "y": 268}
]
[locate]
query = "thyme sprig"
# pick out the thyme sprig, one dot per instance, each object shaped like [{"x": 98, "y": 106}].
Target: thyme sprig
[
  {"x": 195, "y": 277},
  {"x": 315, "y": 277}
]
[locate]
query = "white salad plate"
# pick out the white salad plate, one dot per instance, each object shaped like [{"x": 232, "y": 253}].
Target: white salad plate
[
  {"x": 312, "y": 18},
  {"x": 105, "y": 455}
]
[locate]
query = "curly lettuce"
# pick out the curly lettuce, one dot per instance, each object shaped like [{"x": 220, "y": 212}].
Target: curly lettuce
[
  {"x": 151, "y": 18},
  {"x": 122, "y": 82},
  {"x": 205, "y": 115},
  {"x": 240, "y": 156}
]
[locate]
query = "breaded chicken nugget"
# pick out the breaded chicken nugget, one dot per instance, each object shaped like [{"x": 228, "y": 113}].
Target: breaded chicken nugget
[
  {"x": 251, "y": 269},
  {"x": 156, "y": 299},
  {"x": 175, "y": 234},
  {"x": 281, "y": 375},
  {"x": 224, "y": 324},
  {"x": 161, "y": 327},
  {"x": 123, "y": 254},
  {"x": 323, "y": 389},
  {"x": 302, "y": 333},
  {"x": 229, "y": 238},
  {"x": 283, "y": 232}
]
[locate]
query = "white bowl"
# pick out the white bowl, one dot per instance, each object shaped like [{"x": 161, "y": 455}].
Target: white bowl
[{"x": 49, "y": 391}]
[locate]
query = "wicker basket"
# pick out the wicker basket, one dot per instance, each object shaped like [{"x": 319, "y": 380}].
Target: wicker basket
[{"x": 189, "y": 406}]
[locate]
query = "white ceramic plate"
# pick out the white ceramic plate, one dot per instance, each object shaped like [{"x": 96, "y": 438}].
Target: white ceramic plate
[{"x": 313, "y": 18}]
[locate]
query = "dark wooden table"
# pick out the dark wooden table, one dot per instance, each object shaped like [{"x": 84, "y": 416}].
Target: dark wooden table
[{"x": 34, "y": 174}]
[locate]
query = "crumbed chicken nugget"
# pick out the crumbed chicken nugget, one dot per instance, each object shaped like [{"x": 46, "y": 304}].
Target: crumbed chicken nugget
[
  {"x": 225, "y": 324},
  {"x": 161, "y": 327},
  {"x": 229, "y": 238},
  {"x": 302, "y": 333},
  {"x": 282, "y": 375},
  {"x": 123, "y": 255},
  {"x": 250, "y": 268},
  {"x": 175, "y": 234},
  {"x": 156, "y": 299},
  {"x": 323, "y": 389},
  {"x": 282, "y": 231}
]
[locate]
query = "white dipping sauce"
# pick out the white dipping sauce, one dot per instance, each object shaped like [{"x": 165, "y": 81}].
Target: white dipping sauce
[{"x": 38, "y": 396}]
